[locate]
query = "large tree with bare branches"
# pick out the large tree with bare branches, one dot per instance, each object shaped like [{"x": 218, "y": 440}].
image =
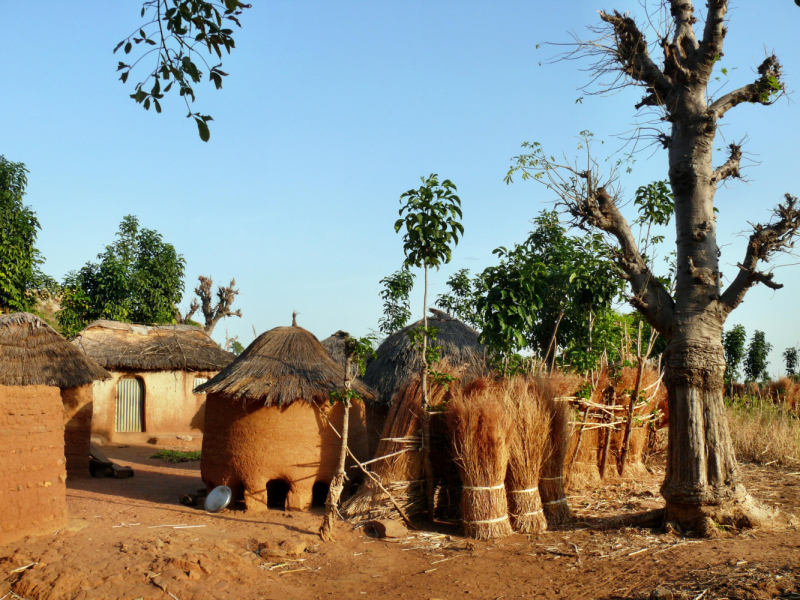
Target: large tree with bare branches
[
  {"x": 213, "y": 313},
  {"x": 702, "y": 485}
]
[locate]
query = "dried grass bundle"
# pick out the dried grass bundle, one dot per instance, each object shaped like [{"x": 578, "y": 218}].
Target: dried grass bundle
[
  {"x": 480, "y": 428},
  {"x": 401, "y": 469},
  {"x": 551, "y": 483},
  {"x": 529, "y": 445}
]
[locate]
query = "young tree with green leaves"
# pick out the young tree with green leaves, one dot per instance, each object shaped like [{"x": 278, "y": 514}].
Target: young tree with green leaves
[
  {"x": 357, "y": 351},
  {"x": 461, "y": 301},
  {"x": 790, "y": 357},
  {"x": 702, "y": 487},
  {"x": 172, "y": 36},
  {"x": 138, "y": 279},
  {"x": 430, "y": 218},
  {"x": 396, "y": 304},
  {"x": 756, "y": 360},
  {"x": 733, "y": 342},
  {"x": 20, "y": 275}
]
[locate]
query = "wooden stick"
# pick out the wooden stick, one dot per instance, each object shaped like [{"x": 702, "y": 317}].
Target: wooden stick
[{"x": 580, "y": 437}]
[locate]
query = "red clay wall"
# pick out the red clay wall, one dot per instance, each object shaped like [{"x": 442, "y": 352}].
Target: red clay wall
[
  {"x": 32, "y": 472},
  {"x": 244, "y": 448},
  {"x": 77, "y": 428}
]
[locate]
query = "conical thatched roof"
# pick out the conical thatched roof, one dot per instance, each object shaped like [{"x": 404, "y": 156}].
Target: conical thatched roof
[
  {"x": 282, "y": 365},
  {"x": 397, "y": 359},
  {"x": 335, "y": 347},
  {"x": 115, "y": 345},
  {"x": 32, "y": 353}
]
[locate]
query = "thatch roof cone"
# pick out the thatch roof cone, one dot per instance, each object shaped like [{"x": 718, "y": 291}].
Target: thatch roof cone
[
  {"x": 281, "y": 366},
  {"x": 335, "y": 345},
  {"x": 397, "y": 360},
  {"x": 33, "y": 353},
  {"x": 116, "y": 345}
]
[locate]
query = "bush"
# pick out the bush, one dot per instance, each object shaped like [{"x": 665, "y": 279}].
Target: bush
[{"x": 177, "y": 456}]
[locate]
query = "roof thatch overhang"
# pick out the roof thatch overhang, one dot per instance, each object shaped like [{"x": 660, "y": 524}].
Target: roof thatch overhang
[
  {"x": 397, "y": 360},
  {"x": 281, "y": 366},
  {"x": 33, "y": 353},
  {"x": 124, "y": 346}
]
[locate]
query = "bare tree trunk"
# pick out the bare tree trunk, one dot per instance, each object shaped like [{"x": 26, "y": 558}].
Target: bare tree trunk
[
  {"x": 553, "y": 345},
  {"x": 337, "y": 484},
  {"x": 626, "y": 442},
  {"x": 427, "y": 467}
]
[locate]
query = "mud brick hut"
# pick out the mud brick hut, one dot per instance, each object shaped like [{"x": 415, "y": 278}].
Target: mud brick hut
[
  {"x": 45, "y": 410},
  {"x": 267, "y": 434},
  {"x": 155, "y": 371},
  {"x": 397, "y": 361}
]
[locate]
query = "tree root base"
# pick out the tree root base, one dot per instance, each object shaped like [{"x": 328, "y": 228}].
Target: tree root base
[{"x": 711, "y": 521}]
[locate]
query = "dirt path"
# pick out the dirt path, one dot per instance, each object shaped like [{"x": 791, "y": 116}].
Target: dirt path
[{"x": 122, "y": 543}]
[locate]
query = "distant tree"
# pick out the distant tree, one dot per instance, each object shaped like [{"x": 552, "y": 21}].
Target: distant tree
[
  {"x": 733, "y": 342},
  {"x": 396, "y": 304},
  {"x": 174, "y": 32},
  {"x": 212, "y": 314},
  {"x": 790, "y": 357},
  {"x": 138, "y": 279},
  {"x": 232, "y": 344},
  {"x": 756, "y": 360},
  {"x": 21, "y": 278},
  {"x": 430, "y": 217}
]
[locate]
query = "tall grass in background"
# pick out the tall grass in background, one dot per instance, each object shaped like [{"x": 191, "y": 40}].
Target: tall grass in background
[{"x": 764, "y": 431}]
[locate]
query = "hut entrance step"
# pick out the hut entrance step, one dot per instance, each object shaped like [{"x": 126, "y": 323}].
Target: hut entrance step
[
  {"x": 130, "y": 406},
  {"x": 277, "y": 493}
]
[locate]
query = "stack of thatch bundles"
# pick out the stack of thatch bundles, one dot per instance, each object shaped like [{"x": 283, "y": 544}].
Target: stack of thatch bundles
[
  {"x": 529, "y": 447},
  {"x": 398, "y": 462},
  {"x": 551, "y": 483},
  {"x": 480, "y": 428}
]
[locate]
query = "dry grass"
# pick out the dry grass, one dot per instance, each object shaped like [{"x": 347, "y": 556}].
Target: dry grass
[
  {"x": 551, "y": 483},
  {"x": 480, "y": 428},
  {"x": 764, "y": 432},
  {"x": 529, "y": 448}
]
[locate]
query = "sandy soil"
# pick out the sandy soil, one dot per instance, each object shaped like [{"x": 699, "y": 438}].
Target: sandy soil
[{"x": 121, "y": 543}]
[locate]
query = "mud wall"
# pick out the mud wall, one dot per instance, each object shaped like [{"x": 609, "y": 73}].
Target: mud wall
[
  {"x": 32, "y": 471},
  {"x": 246, "y": 447},
  {"x": 77, "y": 404},
  {"x": 170, "y": 405}
]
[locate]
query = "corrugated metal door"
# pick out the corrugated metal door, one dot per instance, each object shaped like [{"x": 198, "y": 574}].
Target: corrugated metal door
[
  {"x": 198, "y": 381},
  {"x": 130, "y": 405}
]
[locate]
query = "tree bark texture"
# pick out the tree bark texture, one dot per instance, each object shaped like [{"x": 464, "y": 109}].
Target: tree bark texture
[{"x": 427, "y": 467}]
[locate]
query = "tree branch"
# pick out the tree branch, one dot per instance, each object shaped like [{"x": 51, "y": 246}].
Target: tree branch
[
  {"x": 599, "y": 210},
  {"x": 765, "y": 90},
  {"x": 764, "y": 243},
  {"x": 713, "y": 36},
  {"x": 225, "y": 296},
  {"x": 731, "y": 167},
  {"x": 633, "y": 56}
]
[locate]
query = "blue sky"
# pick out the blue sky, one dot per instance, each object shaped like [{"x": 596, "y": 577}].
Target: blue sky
[{"x": 330, "y": 112}]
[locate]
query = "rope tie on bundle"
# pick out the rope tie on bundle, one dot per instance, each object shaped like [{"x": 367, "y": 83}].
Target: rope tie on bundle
[
  {"x": 493, "y": 487},
  {"x": 528, "y": 491},
  {"x": 497, "y": 520}
]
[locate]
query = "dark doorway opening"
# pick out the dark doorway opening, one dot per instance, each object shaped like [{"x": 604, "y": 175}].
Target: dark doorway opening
[
  {"x": 277, "y": 491},
  {"x": 319, "y": 494}
]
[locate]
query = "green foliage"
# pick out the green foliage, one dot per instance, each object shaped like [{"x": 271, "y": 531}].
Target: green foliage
[
  {"x": 733, "y": 342},
  {"x": 396, "y": 305},
  {"x": 656, "y": 203},
  {"x": 417, "y": 335},
  {"x": 174, "y": 30},
  {"x": 236, "y": 347},
  {"x": 359, "y": 351},
  {"x": 177, "y": 456},
  {"x": 430, "y": 217},
  {"x": 461, "y": 301},
  {"x": 790, "y": 357},
  {"x": 138, "y": 279},
  {"x": 756, "y": 362},
  {"x": 21, "y": 279}
]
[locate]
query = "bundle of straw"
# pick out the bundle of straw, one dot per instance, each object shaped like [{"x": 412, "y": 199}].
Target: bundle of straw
[
  {"x": 551, "y": 483},
  {"x": 480, "y": 428},
  {"x": 528, "y": 450}
]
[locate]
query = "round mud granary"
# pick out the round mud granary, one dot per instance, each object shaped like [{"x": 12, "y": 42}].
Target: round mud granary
[
  {"x": 39, "y": 369},
  {"x": 397, "y": 361},
  {"x": 266, "y": 430}
]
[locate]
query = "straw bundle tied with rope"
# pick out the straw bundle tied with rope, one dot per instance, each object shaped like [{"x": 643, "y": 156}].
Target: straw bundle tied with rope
[
  {"x": 529, "y": 447},
  {"x": 551, "y": 483},
  {"x": 480, "y": 428},
  {"x": 398, "y": 460}
]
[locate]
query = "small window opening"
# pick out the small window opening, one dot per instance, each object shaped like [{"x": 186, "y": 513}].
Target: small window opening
[
  {"x": 319, "y": 494},
  {"x": 198, "y": 381},
  {"x": 277, "y": 491}
]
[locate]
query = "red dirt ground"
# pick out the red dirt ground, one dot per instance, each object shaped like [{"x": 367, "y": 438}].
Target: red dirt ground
[{"x": 119, "y": 544}]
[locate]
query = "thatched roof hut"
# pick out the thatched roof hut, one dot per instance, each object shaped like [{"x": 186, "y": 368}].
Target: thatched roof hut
[
  {"x": 155, "y": 372},
  {"x": 33, "y": 353},
  {"x": 267, "y": 434},
  {"x": 335, "y": 347},
  {"x": 397, "y": 359},
  {"x": 116, "y": 345}
]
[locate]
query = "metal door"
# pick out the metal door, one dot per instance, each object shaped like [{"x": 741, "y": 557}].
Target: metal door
[{"x": 130, "y": 405}]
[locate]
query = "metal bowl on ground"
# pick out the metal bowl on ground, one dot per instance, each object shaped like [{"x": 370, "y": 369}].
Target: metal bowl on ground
[{"x": 218, "y": 499}]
